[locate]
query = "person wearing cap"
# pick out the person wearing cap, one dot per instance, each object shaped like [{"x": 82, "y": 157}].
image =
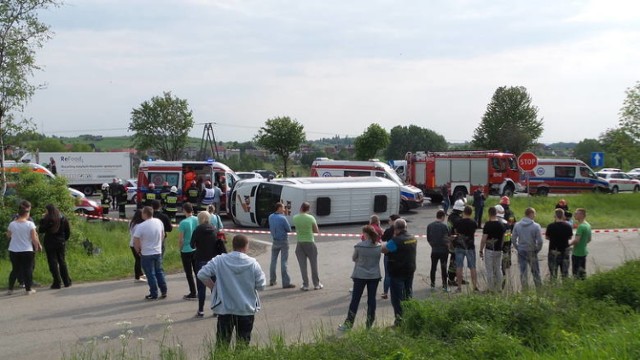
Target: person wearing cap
[
  {"x": 527, "y": 239},
  {"x": 164, "y": 191},
  {"x": 454, "y": 217},
  {"x": 505, "y": 202},
  {"x": 105, "y": 199},
  {"x": 122, "y": 200},
  {"x": 171, "y": 204},
  {"x": 559, "y": 233},
  {"x": 150, "y": 195},
  {"x": 491, "y": 249},
  {"x": 193, "y": 193},
  {"x": 506, "y": 242}
]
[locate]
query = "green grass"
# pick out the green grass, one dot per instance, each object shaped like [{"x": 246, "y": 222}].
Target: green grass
[
  {"x": 113, "y": 262},
  {"x": 604, "y": 211}
]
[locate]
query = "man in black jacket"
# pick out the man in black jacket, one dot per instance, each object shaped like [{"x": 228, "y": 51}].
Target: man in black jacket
[
  {"x": 401, "y": 252},
  {"x": 158, "y": 214}
]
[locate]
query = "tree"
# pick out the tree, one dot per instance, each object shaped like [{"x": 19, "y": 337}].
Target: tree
[
  {"x": 162, "y": 124},
  {"x": 413, "y": 138},
  {"x": 510, "y": 123},
  {"x": 21, "y": 34},
  {"x": 584, "y": 149},
  {"x": 621, "y": 149},
  {"x": 244, "y": 162},
  {"x": 282, "y": 136},
  {"x": 368, "y": 144},
  {"x": 630, "y": 112}
]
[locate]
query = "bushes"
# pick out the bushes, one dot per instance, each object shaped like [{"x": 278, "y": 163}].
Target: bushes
[{"x": 620, "y": 286}]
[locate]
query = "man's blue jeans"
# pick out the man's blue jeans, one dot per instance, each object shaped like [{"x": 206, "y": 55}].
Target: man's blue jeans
[
  {"x": 401, "y": 289},
  {"x": 279, "y": 247},
  {"x": 152, "y": 266}
]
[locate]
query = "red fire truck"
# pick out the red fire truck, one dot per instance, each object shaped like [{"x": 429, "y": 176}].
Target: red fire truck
[{"x": 462, "y": 172}]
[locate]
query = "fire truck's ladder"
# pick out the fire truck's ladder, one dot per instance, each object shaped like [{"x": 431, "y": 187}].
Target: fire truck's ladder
[{"x": 469, "y": 153}]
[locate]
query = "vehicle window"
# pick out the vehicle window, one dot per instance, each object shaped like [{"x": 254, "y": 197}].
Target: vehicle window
[
  {"x": 512, "y": 164},
  {"x": 565, "y": 172},
  {"x": 323, "y": 206},
  {"x": 159, "y": 178},
  {"x": 587, "y": 173},
  {"x": 381, "y": 174},
  {"x": 353, "y": 173},
  {"x": 380, "y": 204},
  {"x": 495, "y": 163}
]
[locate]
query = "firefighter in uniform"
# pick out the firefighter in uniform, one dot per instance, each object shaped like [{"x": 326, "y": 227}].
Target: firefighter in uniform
[
  {"x": 171, "y": 207},
  {"x": 122, "y": 200},
  {"x": 150, "y": 195},
  {"x": 105, "y": 199},
  {"x": 193, "y": 194},
  {"x": 163, "y": 194}
]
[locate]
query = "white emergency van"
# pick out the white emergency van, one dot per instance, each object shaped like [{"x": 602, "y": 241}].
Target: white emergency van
[
  {"x": 563, "y": 176},
  {"x": 333, "y": 200},
  {"x": 410, "y": 196}
]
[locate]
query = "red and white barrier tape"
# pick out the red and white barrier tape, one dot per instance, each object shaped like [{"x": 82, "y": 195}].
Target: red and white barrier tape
[{"x": 266, "y": 232}]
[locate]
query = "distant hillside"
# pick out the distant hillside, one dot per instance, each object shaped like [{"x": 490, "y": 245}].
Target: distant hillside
[
  {"x": 108, "y": 143},
  {"x": 562, "y": 145}
]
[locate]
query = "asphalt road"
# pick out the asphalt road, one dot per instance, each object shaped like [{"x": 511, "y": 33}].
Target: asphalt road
[{"x": 52, "y": 322}]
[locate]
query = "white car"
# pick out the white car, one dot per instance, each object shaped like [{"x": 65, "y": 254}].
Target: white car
[
  {"x": 131, "y": 186},
  {"x": 619, "y": 181},
  {"x": 610, "y": 170},
  {"x": 85, "y": 205},
  {"x": 634, "y": 173},
  {"x": 243, "y": 175}
]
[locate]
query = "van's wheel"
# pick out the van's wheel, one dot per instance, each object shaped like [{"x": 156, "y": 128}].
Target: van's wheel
[
  {"x": 636, "y": 189},
  {"x": 87, "y": 190},
  {"x": 542, "y": 191},
  {"x": 614, "y": 190},
  {"x": 508, "y": 191}
]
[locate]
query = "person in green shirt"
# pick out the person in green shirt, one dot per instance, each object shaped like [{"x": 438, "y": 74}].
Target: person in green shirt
[
  {"x": 579, "y": 242},
  {"x": 306, "y": 226}
]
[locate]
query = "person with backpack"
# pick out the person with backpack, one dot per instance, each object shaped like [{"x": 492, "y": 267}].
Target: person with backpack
[{"x": 56, "y": 230}]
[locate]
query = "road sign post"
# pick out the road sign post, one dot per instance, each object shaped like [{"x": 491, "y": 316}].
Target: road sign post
[{"x": 527, "y": 161}]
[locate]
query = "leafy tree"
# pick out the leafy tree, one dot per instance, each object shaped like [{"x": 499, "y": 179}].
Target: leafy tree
[
  {"x": 368, "y": 144},
  {"x": 307, "y": 159},
  {"x": 630, "y": 112},
  {"x": 584, "y": 149},
  {"x": 510, "y": 123},
  {"x": 162, "y": 124},
  {"x": 48, "y": 144},
  {"x": 413, "y": 138},
  {"x": 244, "y": 162},
  {"x": 40, "y": 191},
  {"x": 282, "y": 136},
  {"x": 21, "y": 34},
  {"x": 79, "y": 147},
  {"x": 621, "y": 149}
]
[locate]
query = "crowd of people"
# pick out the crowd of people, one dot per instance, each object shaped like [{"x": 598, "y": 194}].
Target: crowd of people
[{"x": 234, "y": 278}]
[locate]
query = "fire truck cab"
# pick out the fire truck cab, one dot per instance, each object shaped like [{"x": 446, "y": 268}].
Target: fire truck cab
[
  {"x": 462, "y": 172},
  {"x": 181, "y": 173}
]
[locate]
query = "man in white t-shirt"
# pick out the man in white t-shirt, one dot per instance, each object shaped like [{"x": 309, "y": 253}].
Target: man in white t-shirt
[{"x": 147, "y": 241}]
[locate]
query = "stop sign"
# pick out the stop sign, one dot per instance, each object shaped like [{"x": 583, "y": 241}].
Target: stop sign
[{"x": 527, "y": 161}]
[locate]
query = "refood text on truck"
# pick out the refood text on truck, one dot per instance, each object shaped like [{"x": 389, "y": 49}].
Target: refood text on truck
[
  {"x": 86, "y": 171},
  {"x": 564, "y": 176},
  {"x": 333, "y": 200},
  {"x": 410, "y": 196},
  {"x": 461, "y": 171},
  {"x": 181, "y": 173}
]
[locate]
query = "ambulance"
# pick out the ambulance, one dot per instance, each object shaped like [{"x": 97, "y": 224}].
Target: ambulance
[
  {"x": 410, "y": 196},
  {"x": 562, "y": 176},
  {"x": 180, "y": 174},
  {"x": 334, "y": 200}
]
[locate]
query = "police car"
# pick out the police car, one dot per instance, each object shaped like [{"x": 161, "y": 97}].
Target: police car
[{"x": 619, "y": 181}]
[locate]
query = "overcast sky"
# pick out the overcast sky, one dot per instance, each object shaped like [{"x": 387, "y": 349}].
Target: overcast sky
[{"x": 337, "y": 66}]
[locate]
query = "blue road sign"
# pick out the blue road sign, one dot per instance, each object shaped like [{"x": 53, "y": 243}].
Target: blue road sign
[{"x": 597, "y": 159}]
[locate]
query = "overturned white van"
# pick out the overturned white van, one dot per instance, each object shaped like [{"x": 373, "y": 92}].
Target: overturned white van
[{"x": 334, "y": 200}]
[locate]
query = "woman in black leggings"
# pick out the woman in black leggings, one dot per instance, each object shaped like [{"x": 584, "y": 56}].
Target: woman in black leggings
[{"x": 24, "y": 242}]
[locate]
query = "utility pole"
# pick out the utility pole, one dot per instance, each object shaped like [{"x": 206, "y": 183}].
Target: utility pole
[{"x": 208, "y": 143}]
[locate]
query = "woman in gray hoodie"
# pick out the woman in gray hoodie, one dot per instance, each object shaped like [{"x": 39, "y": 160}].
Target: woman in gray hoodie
[{"x": 366, "y": 273}]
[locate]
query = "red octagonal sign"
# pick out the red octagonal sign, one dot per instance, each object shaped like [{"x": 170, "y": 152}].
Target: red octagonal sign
[{"x": 527, "y": 161}]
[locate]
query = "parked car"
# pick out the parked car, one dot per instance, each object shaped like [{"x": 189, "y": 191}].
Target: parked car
[
  {"x": 248, "y": 175},
  {"x": 634, "y": 173},
  {"x": 131, "y": 186},
  {"x": 619, "y": 181},
  {"x": 266, "y": 173},
  {"x": 610, "y": 170},
  {"x": 84, "y": 205}
]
